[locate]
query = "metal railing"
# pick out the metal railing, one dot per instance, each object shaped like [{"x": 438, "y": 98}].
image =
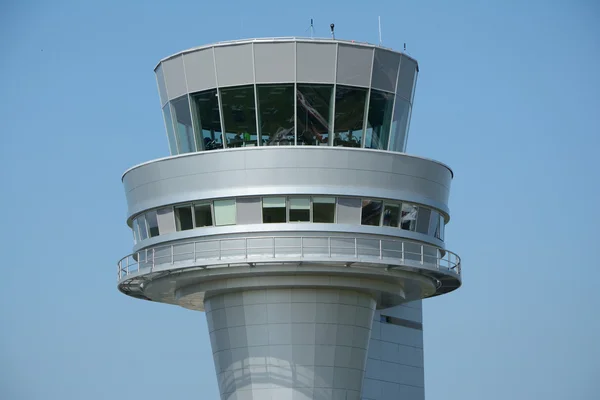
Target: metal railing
[{"x": 266, "y": 249}]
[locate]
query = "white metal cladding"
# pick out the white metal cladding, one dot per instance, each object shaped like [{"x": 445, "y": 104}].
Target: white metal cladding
[{"x": 287, "y": 170}]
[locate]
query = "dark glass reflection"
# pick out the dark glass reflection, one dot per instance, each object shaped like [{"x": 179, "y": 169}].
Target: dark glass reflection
[
  {"x": 273, "y": 209},
  {"x": 371, "y": 212},
  {"x": 379, "y": 120},
  {"x": 408, "y": 216},
  {"x": 170, "y": 132},
  {"x": 276, "y": 107},
  {"x": 314, "y": 114},
  {"x": 202, "y": 215},
  {"x": 239, "y": 116},
  {"x": 391, "y": 215},
  {"x": 152, "y": 223},
  {"x": 423, "y": 220},
  {"x": 183, "y": 125},
  {"x": 183, "y": 218},
  {"x": 399, "y": 124},
  {"x": 349, "y": 116},
  {"x": 205, "y": 106},
  {"x": 324, "y": 209}
]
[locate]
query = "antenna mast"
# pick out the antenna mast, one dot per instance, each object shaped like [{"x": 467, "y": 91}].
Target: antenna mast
[{"x": 379, "y": 31}]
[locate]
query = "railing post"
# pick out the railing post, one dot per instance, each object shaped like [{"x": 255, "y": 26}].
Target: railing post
[
  {"x": 127, "y": 267},
  {"x": 437, "y": 259},
  {"x": 145, "y": 259},
  {"x": 219, "y": 249},
  {"x": 301, "y": 246},
  {"x": 172, "y": 255},
  {"x": 246, "y": 248},
  {"x": 380, "y": 249},
  {"x": 329, "y": 245},
  {"x": 195, "y": 252},
  {"x": 355, "y": 247},
  {"x": 153, "y": 254},
  {"x": 422, "y": 257},
  {"x": 273, "y": 246}
]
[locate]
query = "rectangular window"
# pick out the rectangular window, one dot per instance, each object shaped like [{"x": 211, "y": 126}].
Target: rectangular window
[
  {"x": 349, "y": 116},
  {"x": 152, "y": 223},
  {"x": 379, "y": 120},
  {"x": 348, "y": 210},
  {"x": 299, "y": 209},
  {"x": 170, "y": 131},
  {"x": 434, "y": 224},
  {"x": 391, "y": 215},
  {"x": 276, "y": 114},
  {"x": 183, "y": 124},
  {"x": 440, "y": 227},
  {"x": 136, "y": 230},
  {"x": 371, "y": 212},
  {"x": 205, "y": 107},
  {"x": 408, "y": 217},
  {"x": 166, "y": 220},
  {"x": 203, "y": 215},
  {"x": 324, "y": 209},
  {"x": 239, "y": 116},
  {"x": 273, "y": 210},
  {"x": 313, "y": 114},
  {"x": 248, "y": 210},
  {"x": 423, "y": 220},
  {"x": 224, "y": 212},
  {"x": 183, "y": 218},
  {"x": 143, "y": 229}
]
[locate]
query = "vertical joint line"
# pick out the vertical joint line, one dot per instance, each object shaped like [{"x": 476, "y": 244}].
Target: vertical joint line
[
  {"x": 333, "y": 96},
  {"x": 256, "y": 110},
  {"x": 394, "y": 106},
  {"x": 367, "y": 103}
]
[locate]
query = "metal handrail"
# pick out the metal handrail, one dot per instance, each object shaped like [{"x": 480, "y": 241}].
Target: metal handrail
[{"x": 350, "y": 247}]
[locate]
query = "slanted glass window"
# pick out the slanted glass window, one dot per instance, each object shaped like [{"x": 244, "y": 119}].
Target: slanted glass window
[
  {"x": 166, "y": 220},
  {"x": 434, "y": 222},
  {"x": 399, "y": 124},
  {"x": 170, "y": 132},
  {"x": 408, "y": 217},
  {"x": 371, "y": 212},
  {"x": 299, "y": 209},
  {"x": 183, "y": 218},
  {"x": 152, "y": 223},
  {"x": 391, "y": 215},
  {"x": 439, "y": 233},
  {"x": 314, "y": 114},
  {"x": 239, "y": 116},
  {"x": 143, "y": 228},
  {"x": 324, "y": 209},
  {"x": 224, "y": 212},
  {"x": 273, "y": 210},
  {"x": 276, "y": 110},
  {"x": 136, "y": 230},
  {"x": 379, "y": 120},
  {"x": 349, "y": 116},
  {"x": 183, "y": 125},
  {"x": 202, "y": 215},
  {"x": 423, "y": 220},
  {"x": 207, "y": 119}
]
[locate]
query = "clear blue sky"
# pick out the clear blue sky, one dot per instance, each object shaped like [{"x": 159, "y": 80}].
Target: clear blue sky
[{"x": 508, "y": 96}]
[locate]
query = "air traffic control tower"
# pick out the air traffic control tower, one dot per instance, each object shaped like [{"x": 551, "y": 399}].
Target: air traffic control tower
[{"x": 291, "y": 215}]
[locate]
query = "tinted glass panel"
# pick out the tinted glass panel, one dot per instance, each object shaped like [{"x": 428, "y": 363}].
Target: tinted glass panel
[
  {"x": 183, "y": 124},
  {"x": 276, "y": 108},
  {"x": 166, "y": 220},
  {"x": 314, "y": 103},
  {"x": 442, "y": 228},
  {"x": 408, "y": 217},
  {"x": 224, "y": 212},
  {"x": 371, "y": 212},
  {"x": 434, "y": 222},
  {"x": 349, "y": 116},
  {"x": 391, "y": 215},
  {"x": 239, "y": 116},
  {"x": 202, "y": 215},
  {"x": 273, "y": 209},
  {"x": 207, "y": 120},
  {"x": 152, "y": 223},
  {"x": 324, "y": 209},
  {"x": 379, "y": 120},
  {"x": 143, "y": 229},
  {"x": 299, "y": 209},
  {"x": 423, "y": 220},
  {"x": 135, "y": 230},
  {"x": 170, "y": 131},
  {"x": 183, "y": 218},
  {"x": 399, "y": 124}
]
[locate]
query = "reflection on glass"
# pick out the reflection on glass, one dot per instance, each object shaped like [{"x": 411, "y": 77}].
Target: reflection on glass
[
  {"x": 423, "y": 220},
  {"x": 202, "y": 215},
  {"x": 170, "y": 132},
  {"x": 183, "y": 124},
  {"x": 273, "y": 209},
  {"x": 152, "y": 223},
  {"x": 399, "y": 125},
  {"x": 135, "y": 231},
  {"x": 183, "y": 218},
  {"x": 349, "y": 116},
  {"x": 276, "y": 110},
  {"x": 314, "y": 115},
  {"x": 439, "y": 233},
  {"x": 371, "y": 212},
  {"x": 324, "y": 209},
  {"x": 239, "y": 116},
  {"x": 408, "y": 217},
  {"x": 205, "y": 106},
  {"x": 434, "y": 222},
  {"x": 391, "y": 215},
  {"x": 143, "y": 229},
  {"x": 224, "y": 212},
  {"x": 379, "y": 120},
  {"x": 299, "y": 209}
]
